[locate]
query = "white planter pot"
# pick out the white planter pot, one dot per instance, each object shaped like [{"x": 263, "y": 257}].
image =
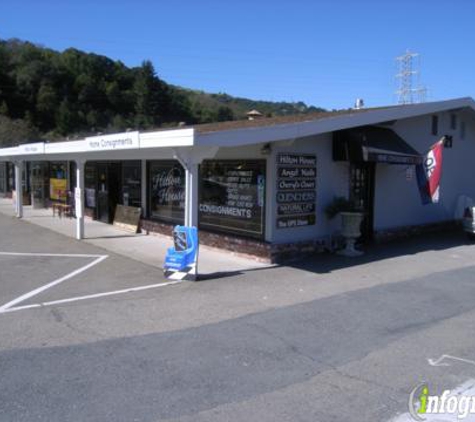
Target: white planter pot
[{"x": 351, "y": 230}]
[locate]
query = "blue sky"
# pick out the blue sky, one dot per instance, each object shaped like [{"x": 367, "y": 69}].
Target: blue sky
[{"x": 325, "y": 53}]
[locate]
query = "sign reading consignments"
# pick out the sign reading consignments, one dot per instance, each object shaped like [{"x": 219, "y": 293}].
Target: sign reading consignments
[{"x": 296, "y": 190}]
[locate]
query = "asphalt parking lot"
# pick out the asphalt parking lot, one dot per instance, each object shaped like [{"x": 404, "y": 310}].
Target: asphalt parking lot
[
  {"x": 40, "y": 267},
  {"x": 324, "y": 339}
]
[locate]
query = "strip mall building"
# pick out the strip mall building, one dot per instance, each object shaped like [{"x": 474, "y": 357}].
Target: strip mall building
[{"x": 259, "y": 187}]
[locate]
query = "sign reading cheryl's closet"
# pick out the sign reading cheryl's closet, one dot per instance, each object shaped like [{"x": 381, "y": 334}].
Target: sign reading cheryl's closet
[
  {"x": 296, "y": 190},
  {"x": 232, "y": 196}
]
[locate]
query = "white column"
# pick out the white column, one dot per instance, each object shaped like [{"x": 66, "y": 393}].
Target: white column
[
  {"x": 19, "y": 188},
  {"x": 79, "y": 199},
  {"x": 192, "y": 194},
  {"x": 143, "y": 182},
  {"x": 187, "y": 221}
]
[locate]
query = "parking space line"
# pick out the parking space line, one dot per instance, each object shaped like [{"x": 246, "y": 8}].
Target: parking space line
[
  {"x": 93, "y": 296},
  {"x": 99, "y": 258},
  {"x": 61, "y": 255}
]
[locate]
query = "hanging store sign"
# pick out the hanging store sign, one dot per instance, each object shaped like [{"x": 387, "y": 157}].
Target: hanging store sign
[{"x": 296, "y": 190}]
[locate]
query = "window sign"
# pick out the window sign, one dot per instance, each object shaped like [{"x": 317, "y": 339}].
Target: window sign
[
  {"x": 131, "y": 183},
  {"x": 90, "y": 183},
  {"x": 167, "y": 191},
  {"x": 232, "y": 196},
  {"x": 296, "y": 190}
]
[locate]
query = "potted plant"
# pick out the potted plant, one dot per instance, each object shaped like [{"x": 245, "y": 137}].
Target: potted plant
[{"x": 351, "y": 218}]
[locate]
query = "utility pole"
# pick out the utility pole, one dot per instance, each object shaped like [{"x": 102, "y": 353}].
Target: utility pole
[{"x": 407, "y": 72}]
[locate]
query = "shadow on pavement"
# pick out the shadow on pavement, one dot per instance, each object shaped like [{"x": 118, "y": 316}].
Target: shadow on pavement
[{"x": 328, "y": 262}]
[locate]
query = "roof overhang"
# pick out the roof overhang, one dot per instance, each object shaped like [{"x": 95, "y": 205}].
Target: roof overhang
[
  {"x": 280, "y": 132},
  {"x": 121, "y": 146},
  {"x": 148, "y": 144}
]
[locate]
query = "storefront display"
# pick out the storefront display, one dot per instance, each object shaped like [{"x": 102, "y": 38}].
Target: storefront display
[
  {"x": 167, "y": 191},
  {"x": 90, "y": 184},
  {"x": 232, "y": 196},
  {"x": 131, "y": 183},
  {"x": 3, "y": 179},
  {"x": 58, "y": 181}
]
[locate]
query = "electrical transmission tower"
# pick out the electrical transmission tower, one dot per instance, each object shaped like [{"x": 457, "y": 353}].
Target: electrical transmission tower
[{"x": 409, "y": 92}]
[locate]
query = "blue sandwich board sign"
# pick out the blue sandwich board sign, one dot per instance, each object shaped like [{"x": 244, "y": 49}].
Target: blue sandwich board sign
[{"x": 181, "y": 260}]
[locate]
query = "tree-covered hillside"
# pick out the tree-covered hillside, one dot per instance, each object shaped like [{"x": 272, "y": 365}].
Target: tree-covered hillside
[{"x": 46, "y": 94}]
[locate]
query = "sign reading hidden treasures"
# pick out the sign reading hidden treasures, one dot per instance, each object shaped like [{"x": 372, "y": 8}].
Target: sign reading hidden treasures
[{"x": 296, "y": 190}]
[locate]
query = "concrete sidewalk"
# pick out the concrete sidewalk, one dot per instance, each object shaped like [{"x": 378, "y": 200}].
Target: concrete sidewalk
[{"x": 149, "y": 249}]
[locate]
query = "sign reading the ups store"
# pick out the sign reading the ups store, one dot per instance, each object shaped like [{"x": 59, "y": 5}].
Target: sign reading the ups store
[{"x": 296, "y": 190}]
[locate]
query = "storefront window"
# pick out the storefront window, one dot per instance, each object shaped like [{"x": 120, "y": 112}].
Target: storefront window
[
  {"x": 58, "y": 181},
  {"x": 3, "y": 178},
  {"x": 232, "y": 196},
  {"x": 90, "y": 185},
  {"x": 131, "y": 183},
  {"x": 167, "y": 191},
  {"x": 10, "y": 177}
]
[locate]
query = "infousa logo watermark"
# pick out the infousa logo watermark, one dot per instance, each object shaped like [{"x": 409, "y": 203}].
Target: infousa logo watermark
[{"x": 422, "y": 404}]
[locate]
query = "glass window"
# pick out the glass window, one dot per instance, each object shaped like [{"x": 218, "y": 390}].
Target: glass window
[
  {"x": 453, "y": 121},
  {"x": 131, "y": 183},
  {"x": 232, "y": 196},
  {"x": 58, "y": 170},
  {"x": 90, "y": 185},
  {"x": 3, "y": 178},
  {"x": 10, "y": 177},
  {"x": 167, "y": 191},
  {"x": 435, "y": 125}
]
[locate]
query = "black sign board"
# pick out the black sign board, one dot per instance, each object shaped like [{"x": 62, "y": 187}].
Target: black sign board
[
  {"x": 293, "y": 209},
  {"x": 285, "y": 184},
  {"x": 296, "y": 190},
  {"x": 296, "y": 173},
  {"x": 291, "y": 197},
  {"x": 296, "y": 221}
]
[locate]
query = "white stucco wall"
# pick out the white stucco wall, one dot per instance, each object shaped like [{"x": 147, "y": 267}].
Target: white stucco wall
[{"x": 397, "y": 200}]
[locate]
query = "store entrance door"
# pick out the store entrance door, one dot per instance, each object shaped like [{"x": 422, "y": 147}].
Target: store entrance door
[
  {"x": 108, "y": 190},
  {"x": 362, "y": 192}
]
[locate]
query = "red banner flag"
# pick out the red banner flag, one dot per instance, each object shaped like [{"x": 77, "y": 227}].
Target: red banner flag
[{"x": 430, "y": 172}]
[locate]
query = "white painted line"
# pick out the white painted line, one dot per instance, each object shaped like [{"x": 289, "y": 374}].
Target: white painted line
[
  {"x": 52, "y": 284},
  {"x": 438, "y": 362},
  {"x": 65, "y": 255},
  {"x": 93, "y": 296}
]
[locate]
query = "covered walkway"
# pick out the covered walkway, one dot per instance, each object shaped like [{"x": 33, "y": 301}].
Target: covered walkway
[{"x": 149, "y": 249}]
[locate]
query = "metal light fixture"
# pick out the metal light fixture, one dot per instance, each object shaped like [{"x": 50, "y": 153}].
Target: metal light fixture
[
  {"x": 266, "y": 149},
  {"x": 448, "y": 140}
]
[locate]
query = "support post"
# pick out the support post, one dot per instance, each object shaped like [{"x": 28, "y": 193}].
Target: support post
[
  {"x": 79, "y": 199},
  {"x": 19, "y": 188},
  {"x": 143, "y": 186},
  {"x": 192, "y": 206}
]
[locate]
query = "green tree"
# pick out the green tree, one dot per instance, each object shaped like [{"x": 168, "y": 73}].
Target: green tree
[{"x": 14, "y": 132}]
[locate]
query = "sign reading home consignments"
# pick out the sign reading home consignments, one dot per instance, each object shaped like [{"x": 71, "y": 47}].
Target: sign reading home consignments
[{"x": 296, "y": 190}]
